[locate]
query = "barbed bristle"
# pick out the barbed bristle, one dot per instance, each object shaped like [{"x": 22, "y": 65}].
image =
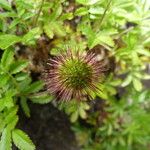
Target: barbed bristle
[{"x": 72, "y": 75}]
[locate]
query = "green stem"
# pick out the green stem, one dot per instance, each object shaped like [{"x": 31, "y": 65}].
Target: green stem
[
  {"x": 124, "y": 32},
  {"x": 99, "y": 23},
  {"x": 38, "y": 13}
]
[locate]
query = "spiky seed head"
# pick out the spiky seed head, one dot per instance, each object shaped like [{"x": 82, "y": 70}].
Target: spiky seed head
[{"x": 73, "y": 75}]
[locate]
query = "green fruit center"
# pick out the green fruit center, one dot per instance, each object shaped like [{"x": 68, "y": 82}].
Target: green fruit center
[{"x": 76, "y": 74}]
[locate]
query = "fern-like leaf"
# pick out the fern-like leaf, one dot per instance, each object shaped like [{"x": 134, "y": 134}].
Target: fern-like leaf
[
  {"x": 41, "y": 98},
  {"x": 5, "y": 143},
  {"x": 13, "y": 123},
  {"x": 10, "y": 114},
  {"x": 21, "y": 140},
  {"x": 25, "y": 106}
]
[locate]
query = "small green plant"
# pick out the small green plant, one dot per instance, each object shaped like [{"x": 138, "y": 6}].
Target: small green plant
[
  {"x": 16, "y": 88},
  {"x": 98, "y": 80}
]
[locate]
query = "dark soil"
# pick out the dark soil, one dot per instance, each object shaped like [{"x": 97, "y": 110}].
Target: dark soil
[{"x": 48, "y": 128}]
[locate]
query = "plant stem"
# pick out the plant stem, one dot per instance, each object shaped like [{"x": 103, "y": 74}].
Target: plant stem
[
  {"x": 38, "y": 13},
  {"x": 99, "y": 23},
  {"x": 124, "y": 32}
]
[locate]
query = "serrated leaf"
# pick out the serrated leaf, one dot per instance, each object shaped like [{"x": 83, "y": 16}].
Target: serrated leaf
[
  {"x": 7, "y": 40},
  {"x": 21, "y": 76},
  {"x": 10, "y": 115},
  {"x": 56, "y": 13},
  {"x": 25, "y": 84},
  {"x": 18, "y": 66},
  {"x": 21, "y": 140},
  {"x": 66, "y": 16},
  {"x": 5, "y": 143},
  {"x": 2, "y": 124},
  {"x": 116, "y": 82},
  {"x": 87, "y": 2},
  {"x": 48, "y": 30},
  {"x": 101, "y": 39},
  {"x": 81, "y": 11},
  {"x": 92, "y": 16},
  {"x": 34, "y": 87},
  {"x": 58, "y": 28},
  {"x": 9, "y": 102},
  {"x": 96, "y": 10},
  {"x": 31, "y": 36},
  {"x": 147, "y": 41},
  {"x": 4, "y": 4},
  {"x": 25, "y": 106},
  {"x": 7, "y": 58},
  {"x": 4, "y": 80},
  {"x": 14, "y": 22},
  {"x": 13, "y": 123},
  {"x": 137, "y": 84},
  {"x": 2, "y": 104},
  {"x": 41, "y": 98},
  {"x": 144, "y": 52},
  {"x": 127, "y": 81}
]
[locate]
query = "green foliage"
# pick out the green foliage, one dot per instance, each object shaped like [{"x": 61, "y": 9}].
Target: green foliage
[
  {"x": 21, "y": 140},
  {"x": 119, "y": 32},
  {"x": 11, "y": 39},
  {"x": 75, "y": 109},
  {"x": 5, "y": 143},
  {"x": 16, "y": 85}
]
